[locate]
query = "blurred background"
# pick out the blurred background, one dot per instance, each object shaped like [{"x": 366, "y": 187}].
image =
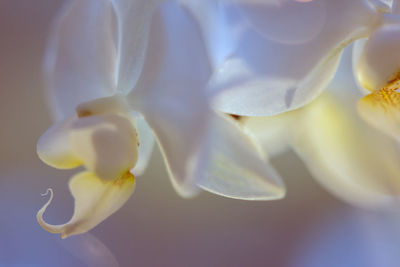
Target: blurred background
[{"x": 156, "y": 227}]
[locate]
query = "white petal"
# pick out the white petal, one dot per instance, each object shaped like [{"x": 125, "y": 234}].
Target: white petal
[
  {"x": 381, "y": 109},
  {"x": 251, "y": 95},
  {"x": 379, "y": 62},
  {"x": 278, "y": 76},
  {"x": 146, "y": 145},
  {"x": 213, "y": 17},
  {"x": 80, "y": 56},
  {"x": 271, "y": 132},
  {"x": 231, "y": 164},
  {"x": 95, "y": 200},
  {"x": 358, "y": 47},
  {"x": 134, "y": 19},
  {"x": 276, "y": 19},
  {"x": 106, "y": 144},
  {"x": 352, "y": 160},
  {"x": 170, "y": 93},
  {"x": 53, "y": 146}
]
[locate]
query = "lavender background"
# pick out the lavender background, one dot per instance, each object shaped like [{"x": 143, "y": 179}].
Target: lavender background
[{"x": 157, "y": 227}]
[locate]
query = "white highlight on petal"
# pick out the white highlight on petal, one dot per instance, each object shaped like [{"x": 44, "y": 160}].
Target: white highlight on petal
[
  {"x": 380, "y": 61},
  {"x": 146, "y": 145},
  {"x": 231, "y": 164},
  {"x": 95, "y": 200},
  {"x": 358, "y": 47},
  {"x": 106, "y": 144},
  {"x": 53, "y": 146}
]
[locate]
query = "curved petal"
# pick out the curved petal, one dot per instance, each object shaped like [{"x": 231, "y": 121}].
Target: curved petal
[
  {"x": 358, "y": 47},
  {"x": 232, "y": 165},
  {"x": 381, "y": 109},
  {"x": 378, "y": 70},
  {"x": 170, "y": 93},
  {"x": 351, "y": 159},
  {"x": 263, "y": 76},
  {"x": 80, "y": 56},
  {"x": 53, "y": 146},
  {"x": 95, "y": 200},
  {"x": 134, "y": 20},
  {"x": 252, "y": 95},
  {"x": 106, "y": 144},
  {"x": 379, "y": 62},
  {"x": 146, "y": 145}
]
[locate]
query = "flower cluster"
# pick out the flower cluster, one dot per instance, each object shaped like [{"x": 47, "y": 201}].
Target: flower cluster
[{"x": 122, "y": 74}]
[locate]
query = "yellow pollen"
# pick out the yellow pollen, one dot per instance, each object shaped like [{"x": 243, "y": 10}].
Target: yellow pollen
[
  {"x": 385, "y": 99},
  {"x": 381, "y": 108}
]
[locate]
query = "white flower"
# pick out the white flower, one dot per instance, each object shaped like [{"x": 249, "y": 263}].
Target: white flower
[
  {"x": 117, "y": 68},
  {"x": 352, "y": 160},
  {"x": 278, "y": 55},
  {"x": 274, "y": 56}
]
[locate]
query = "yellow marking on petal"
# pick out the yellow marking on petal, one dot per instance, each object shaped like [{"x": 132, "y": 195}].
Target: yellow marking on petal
[
  {"x": 381, "y": 108},
  {"x": 95, "y": 200}
]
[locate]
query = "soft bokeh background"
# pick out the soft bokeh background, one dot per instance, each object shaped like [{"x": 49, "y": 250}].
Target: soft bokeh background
[{"x": 157, "y": 227}]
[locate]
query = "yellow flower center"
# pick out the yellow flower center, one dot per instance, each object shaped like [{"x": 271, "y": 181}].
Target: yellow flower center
[{"x": 382, "y": 107}]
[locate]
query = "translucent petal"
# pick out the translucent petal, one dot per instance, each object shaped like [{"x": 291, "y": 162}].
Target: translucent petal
[
  {"x": 351, "y": 159},
  {"x": 53, "y": 146},
  {"x": 106, "y": 144},
  {"x": 231, "y": 164},
  {"x": 381, "y": 109},
  {"x": 265, "y": 77},
  {"x": 219, "y": 44},
  {"x": 95, "y": 200},
  {"x": 276, "y": 19},
  {"x": 80, "y": 56},
  {"x": 146, "y": 145},
  {"x": 134, "y": 19},
  {"x": 251, "y": 95},
  {"x": 379, "y": 62},
  {"x": 170, "y": 93}
]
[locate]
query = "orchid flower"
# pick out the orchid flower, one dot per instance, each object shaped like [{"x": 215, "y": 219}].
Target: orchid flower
[
  {"x": 273, "y": 56},
  {"x": 120, "y": 71},
  {"x": 352, "y": 160}
]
